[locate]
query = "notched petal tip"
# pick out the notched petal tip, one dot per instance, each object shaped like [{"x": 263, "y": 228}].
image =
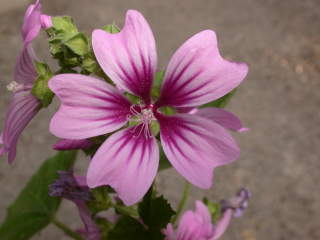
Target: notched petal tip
[
  {"x": 129, "y": 57},
  {"x": 198, "y": 74}
]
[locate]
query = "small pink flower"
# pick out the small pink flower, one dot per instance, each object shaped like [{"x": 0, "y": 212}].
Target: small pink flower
[
  {"x": 196, "y": 225},
  {"x": 128, "y": 160},
  {"x": 24, "y": 106}
]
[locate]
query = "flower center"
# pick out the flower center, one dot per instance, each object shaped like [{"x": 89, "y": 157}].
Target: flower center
[
  {"x": 143, "y": 116},
  {"x": 14, "y": 86}
]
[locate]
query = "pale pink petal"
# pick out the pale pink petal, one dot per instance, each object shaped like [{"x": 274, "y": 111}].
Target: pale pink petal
[
  {"x": 89, "y": 107},
  {"x": 22, "y": 109},
  {"x": 129, "y": 58},
  {"x": 31, "y": 24},
  {"x": 46, "y": 21},
  {"x": 222, "y": 224},
  {"x": 128, "y": 162},
  {"x": 169, "y": 232},
  {"x": 203, "y": 212},
  {"x": 70, "y": 144},
  {"x": 195, "y": 146},
  {"x": 224, "y": 118},
  {"x": 197, "y": 73},
  {"x": 25, "y": 72}
]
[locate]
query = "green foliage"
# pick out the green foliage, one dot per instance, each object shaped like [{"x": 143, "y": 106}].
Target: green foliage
[
  {"x": 128, "y": 228},
  {"x": 156, "y": 213},
  {"x": 64, "y": 24},
  {"x": 101, "y": 200},
  {"x": 69, "y": 46},
  {"x": 40, "y": 88},
  {"x": 78, "y": 44},
  {"x": 221, "y": 102},
  {"x": 214, "y": 209},
  {"x": 155, "y": 92},
  {"x": 111, "y": 28},
  {"x": 34, "y": 208}
]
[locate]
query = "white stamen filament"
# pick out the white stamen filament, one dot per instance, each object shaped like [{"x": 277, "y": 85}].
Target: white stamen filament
[
  {"x": 14, "y": 86},
  {"x": 144, "y": 117}
]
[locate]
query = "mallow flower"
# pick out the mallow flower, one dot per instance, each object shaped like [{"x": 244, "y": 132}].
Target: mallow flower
[
  {"x": 128, "y": 160},
  {"x": 23, "y": 106},
  {"x": 197, "y": 225}
]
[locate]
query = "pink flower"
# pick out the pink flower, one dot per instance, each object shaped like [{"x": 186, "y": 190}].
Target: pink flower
[
  {"x": 197, "y": 225},
  {"x": 128, "y": 160},
  {"x": 24, "y": 106}
]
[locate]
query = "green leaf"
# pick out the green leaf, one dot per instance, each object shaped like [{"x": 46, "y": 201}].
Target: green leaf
[
  {"x": 128, "y": 228},
  {"x": 64, "y": 24},
  {"x": 34, "y": 208},
  {"x": 221, "y": 102},
  {"x": 78, "y": 44},
  {"x": 111, "y": 28},
  {"x": 40, "y": 88},
  {"x": 156, "y": 213}
]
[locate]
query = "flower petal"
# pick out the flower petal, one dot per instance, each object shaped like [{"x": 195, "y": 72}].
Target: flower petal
[
  {"x": 129, "y": 58},
  {"x": 25, "y": 72},
  {"x": 195, "y": 146},
  {"x": 203, "y": 212},
  {"x": 169, "y": 232},
  {"x": 197, "y": 74},
  {"x": 22, "y": 109},
  {"x": 222, "y": 224},
  {"x": 127, "y": 162},
  {"x": 89, "y": 107},
  {"x": 31, "y": 24},
  {"x": 224, "y": 118},
  {"x": 69, "y": 144}
]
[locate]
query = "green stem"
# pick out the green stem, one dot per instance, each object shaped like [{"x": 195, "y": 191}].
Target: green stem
[
  {"x": 66, "y": 230},
  {"x": 182, "y": 201}
]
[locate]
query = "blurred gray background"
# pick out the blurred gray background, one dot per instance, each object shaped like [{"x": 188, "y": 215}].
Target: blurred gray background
[{"x": 279, "y": 101}]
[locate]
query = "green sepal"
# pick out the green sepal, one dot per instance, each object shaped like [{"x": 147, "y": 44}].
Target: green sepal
[
  {"x": 101, "y": 200},
  {"x": 167, "y": 110},
  {"x": 90, "y": 65},
  {"x": 33, "y": 209},
  {"x": 40, "y": 88},
  {"x": 111, "y": 28},
  {"x": 78, "y": 44},
  {"x": 155, "y": 92},
  {"x": 156, "y": 213},
  {"x": 64, "y": 24},
  {"x": 214, "y": 209},
  {"x": 220, "y": 102}
]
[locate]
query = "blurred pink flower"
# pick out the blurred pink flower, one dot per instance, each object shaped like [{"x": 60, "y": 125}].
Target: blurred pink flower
[
  {"x": 196, "y": 225},
  {"x": 128, "y": 160},
  {"x": 24, "y": 106}
]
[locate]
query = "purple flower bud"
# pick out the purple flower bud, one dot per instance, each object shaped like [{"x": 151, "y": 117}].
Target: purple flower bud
[
  {"x": 238, "y": 203},
  {"x": 66, "y": 186},
  {"x": 46, "y": 21}
]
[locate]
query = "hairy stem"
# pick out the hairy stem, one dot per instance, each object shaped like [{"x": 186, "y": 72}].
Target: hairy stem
[
  {"x": 66, "y": 230},
  {"x": 182, "y": 201}
]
